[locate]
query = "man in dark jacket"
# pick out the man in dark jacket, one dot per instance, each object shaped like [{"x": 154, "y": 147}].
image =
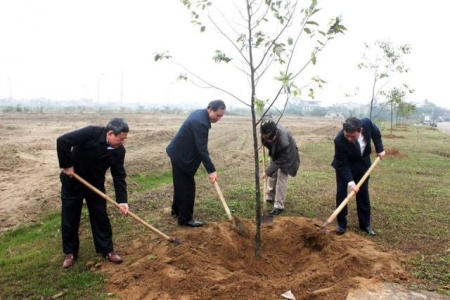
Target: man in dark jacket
[
  {"x": 90, "y": 152},
  {"x": 351, "y": 161},
  {"x": 284, "y": 161},
  {"x": 187, "y": 150}
]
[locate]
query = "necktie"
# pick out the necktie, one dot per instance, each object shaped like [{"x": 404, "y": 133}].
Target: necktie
[{"x": 358, "y": 147}]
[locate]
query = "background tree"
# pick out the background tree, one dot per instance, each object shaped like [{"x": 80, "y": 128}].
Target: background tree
[
  {"x": 262, "y": 39},
  {"x": 397, "y": 99},
  {"x": 387, "y": 61},
  {"x": 406, "y": 110}
]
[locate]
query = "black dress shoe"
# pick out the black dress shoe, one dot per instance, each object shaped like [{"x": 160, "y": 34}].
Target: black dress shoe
[
  {"x": 340, "y": 230},
  {"x": 370, "y": 231},
  {"x": 191, "y": 223},
  {"x": 276, "y": 211},
  {"x": 174, "y": 214}
]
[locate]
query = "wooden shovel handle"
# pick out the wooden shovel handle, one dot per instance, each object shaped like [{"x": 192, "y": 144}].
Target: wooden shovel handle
[
  {"x": 227, "y": 210},
  {"x": 104, "y": 196},
  {"x": 264, "y": 180},
  {"x": 351, "y": 194}
]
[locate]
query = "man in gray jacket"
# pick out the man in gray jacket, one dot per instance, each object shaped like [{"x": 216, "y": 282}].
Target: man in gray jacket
[{"x": 284, "y": 161}]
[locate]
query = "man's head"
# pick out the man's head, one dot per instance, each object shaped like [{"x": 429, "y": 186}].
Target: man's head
[
  {"x": 216, "y": 110},
  {"x": 116, "y": 132},
  {"x": 269, "y": 130},
  {"x": 352, "y": 129}
]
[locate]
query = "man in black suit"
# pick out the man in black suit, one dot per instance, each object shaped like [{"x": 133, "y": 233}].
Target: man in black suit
[
  {"x": 90, "y": 152},
  {"x": 351, "y": 161},
  {"x": 187, "y": 150}
]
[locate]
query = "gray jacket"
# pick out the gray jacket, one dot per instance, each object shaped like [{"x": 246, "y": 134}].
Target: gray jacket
[{"x": 283, "y": 153}]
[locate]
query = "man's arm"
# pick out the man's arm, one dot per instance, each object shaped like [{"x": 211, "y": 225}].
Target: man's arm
[
  {"x": 201, "y": 142},
  {"x": 341, "y": 163},
  {"x": 376, "y": 138},
  {"x": 282, "y": 157},
  {"x": 120, "y": 185},
  {"x": 119, "y": 177},
  {"x": 66, "y": 142}
]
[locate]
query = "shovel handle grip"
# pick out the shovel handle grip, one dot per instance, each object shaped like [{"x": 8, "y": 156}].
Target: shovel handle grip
[
  {"x": 351, "y": 194},
  {"x": 135, "y": 217}
]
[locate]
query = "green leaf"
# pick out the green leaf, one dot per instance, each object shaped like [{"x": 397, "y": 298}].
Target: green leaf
[
  {"x": 290, "y": 41},
  {"x": 161, "y": 56}
]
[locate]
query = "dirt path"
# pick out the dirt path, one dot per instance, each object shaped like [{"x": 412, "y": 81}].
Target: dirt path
[{"x": 444, "y": 126}]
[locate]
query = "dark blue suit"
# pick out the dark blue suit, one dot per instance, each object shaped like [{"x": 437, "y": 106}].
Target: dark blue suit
[
  {"x": 350, "y": 165},
  {"x": 187, "y": 150}
]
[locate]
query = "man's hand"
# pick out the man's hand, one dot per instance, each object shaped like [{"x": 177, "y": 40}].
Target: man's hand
[
  {"x": 264, "y": 176},
  {"x": 68, "y": 171},
  {"x": 382, "y": 154},
  {"x": 353, "y": 187},
  {"x": 213, "y": 177},
  {"x": 124, "y": 208}
]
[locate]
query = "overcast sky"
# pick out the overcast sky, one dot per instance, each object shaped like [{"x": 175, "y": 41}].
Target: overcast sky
[{"x": 104, "y": 49}]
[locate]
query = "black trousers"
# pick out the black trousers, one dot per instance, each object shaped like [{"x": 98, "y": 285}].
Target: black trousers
[
  {"x": 72, "y": 204},
  {"x": 183, "y": 195},
  {"x": 362, "y": 201}
]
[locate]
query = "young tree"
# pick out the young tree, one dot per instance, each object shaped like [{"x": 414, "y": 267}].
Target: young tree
[
  {"x": 396, "y": 98},
  {"x": 386, "y": 62},
  {"x": 262, "y": 41},
  {"x": 406, "y": 110}
]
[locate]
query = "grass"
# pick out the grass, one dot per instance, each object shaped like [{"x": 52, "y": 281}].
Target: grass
[
  {"x": 409, "y": 192},
  {"x": 30, "y": 262},
  {"x": 147, "y": 182}
]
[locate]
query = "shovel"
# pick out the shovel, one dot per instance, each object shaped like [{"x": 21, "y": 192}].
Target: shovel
[
  {"x": 349, "y": 197},
  {"x": 237, "y": 224},
  {"x": 135, "y": 217},
  {"x": 265, "y": 219}
]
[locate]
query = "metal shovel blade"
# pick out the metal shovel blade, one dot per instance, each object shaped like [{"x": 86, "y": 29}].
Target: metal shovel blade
[
  {"x": 267, "y": 220},
  {"x": 322, "y": 228}
]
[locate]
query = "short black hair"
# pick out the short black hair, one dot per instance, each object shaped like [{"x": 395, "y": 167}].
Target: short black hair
[
  {"x": 117, "y": 126},
  {"x": 216, "y": 104},
  {"x": 352, "y": 124},
  {"x": 268, "y": 126}
]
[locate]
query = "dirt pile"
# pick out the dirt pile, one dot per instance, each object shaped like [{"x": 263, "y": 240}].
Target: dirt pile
[{"x": 214, "y": 262}]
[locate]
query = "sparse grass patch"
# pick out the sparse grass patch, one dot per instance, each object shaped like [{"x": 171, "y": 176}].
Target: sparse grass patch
[
  {"x": 31, "y": 266},
  {"x": 151, "y": 181}
]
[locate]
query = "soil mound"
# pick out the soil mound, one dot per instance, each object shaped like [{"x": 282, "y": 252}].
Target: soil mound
[{"x": 214, "y": 262}]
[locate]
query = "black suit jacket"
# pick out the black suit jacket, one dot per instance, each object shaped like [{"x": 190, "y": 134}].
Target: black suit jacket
[
  {"x": 86, "y": 150},
  {"x": 347, "y": 158},
  {"x": 189, "y": 147}
]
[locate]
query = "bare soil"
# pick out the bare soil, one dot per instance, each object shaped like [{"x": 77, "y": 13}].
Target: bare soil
[{"x": 213, "y": 262}]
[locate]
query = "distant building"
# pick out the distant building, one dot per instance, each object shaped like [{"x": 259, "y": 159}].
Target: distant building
[
  {"x": 337, "y": 116},
  {"x": 305, "y": 105}
]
